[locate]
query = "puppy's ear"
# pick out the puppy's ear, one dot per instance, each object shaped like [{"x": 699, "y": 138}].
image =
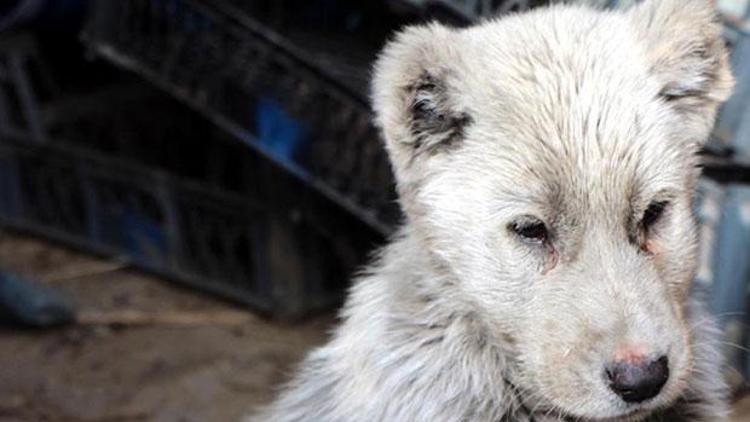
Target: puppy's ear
[
  {"x": 687, "y": 54},
  {"x": 415, "y": 97}
]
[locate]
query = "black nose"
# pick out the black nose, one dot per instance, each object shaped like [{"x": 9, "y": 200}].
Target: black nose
[{"x": 637, "y": 382}]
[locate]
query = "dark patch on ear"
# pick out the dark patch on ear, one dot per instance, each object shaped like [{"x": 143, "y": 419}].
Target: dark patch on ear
[
  {"x": 702, "y": 68},
  {"x": 434, "y": 125},
  {"x": 697, "y": 89},
  {"x": 672, "y": 93}
]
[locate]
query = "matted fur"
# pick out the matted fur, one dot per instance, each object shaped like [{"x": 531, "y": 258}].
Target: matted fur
[{"x": 574, "y": 117}]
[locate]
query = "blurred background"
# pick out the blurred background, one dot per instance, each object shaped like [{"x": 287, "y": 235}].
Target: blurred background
[{"x": 187, "y": 186}]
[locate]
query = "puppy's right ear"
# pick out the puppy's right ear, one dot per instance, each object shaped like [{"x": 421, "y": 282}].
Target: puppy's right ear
[{"x": 414, "y": 94}]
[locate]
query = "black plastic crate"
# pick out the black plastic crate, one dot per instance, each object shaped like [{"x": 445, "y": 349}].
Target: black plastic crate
[
  {"x": 257, "y": 86},
  {"x": 124, "y": 170},
  {"x": 218, "y": 242}
]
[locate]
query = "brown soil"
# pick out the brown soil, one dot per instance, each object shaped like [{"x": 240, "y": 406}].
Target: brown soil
[{"x": 164, "y": 368}]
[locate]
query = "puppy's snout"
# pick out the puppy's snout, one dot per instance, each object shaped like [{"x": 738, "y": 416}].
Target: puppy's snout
[{"x": 638, "y": 380}]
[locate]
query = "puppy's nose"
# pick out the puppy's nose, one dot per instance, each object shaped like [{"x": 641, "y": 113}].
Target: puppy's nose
[{"x": 637, "y": 381}]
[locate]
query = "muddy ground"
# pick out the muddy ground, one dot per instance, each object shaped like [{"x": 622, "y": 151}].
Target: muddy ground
[{"x": 149, "y": 350}]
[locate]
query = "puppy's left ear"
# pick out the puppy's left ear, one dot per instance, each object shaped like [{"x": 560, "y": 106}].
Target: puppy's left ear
[{"x": 687, "y": 54}]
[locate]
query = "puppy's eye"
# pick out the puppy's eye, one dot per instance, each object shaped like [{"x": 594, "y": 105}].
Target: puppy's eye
[
  {"x": 533, "y": 230},
  {"x": 653, "y": 213}
]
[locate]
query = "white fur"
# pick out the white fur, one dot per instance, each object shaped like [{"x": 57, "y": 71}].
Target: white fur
[{"x": 578, "y": 118}]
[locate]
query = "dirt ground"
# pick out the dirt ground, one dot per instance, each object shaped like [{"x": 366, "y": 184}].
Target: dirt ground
[
  {"x": 179, "y": 356},
  {"x": 148, "y": 349}
]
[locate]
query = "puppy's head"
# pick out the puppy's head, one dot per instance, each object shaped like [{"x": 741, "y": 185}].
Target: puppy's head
[{"x": 547, "y": 160}]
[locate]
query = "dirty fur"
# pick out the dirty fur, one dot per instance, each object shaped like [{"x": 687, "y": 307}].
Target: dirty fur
[{"x": 546, "y": 164}]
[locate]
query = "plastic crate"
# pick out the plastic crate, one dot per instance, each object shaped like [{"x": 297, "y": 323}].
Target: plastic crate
[
  {"x": 473, "y": 10},
  {"x": 237, "y": 72},
  {"x": 723, "y": 271},
  {"x": 217, "y": 242},
  {"x": 167, "y": 192}
]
